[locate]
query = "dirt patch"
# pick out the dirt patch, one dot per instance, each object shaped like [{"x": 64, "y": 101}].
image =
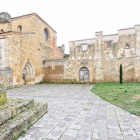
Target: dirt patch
[{"x": 135, "y": 98}]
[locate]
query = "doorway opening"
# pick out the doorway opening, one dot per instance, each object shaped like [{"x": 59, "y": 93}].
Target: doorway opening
[
  {"x": 28, "y": 74},
  {"x": 84, "y": 74}
]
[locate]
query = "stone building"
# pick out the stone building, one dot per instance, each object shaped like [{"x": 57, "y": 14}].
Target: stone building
[
  {"x": 29, "y": 54},
  {"x": 25, "y": 42},
  {"x": 98, "y": 59}
]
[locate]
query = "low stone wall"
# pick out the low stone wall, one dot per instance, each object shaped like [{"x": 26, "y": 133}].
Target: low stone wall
[
  {"x": 54, "y": 70},
  {"x": 57, "y": 73},
  {"x": 18, "y": 115},
  {"x": 13, "y": 107}
]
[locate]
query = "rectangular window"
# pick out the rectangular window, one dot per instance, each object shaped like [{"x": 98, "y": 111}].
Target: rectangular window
[
  {"x": 84, "y": 47},
  {"x": 108, "y": 45}
]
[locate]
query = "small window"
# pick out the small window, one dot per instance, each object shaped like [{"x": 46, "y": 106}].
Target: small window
[
  {"x": 46, "y": 34},
  {"x": 20, "y": 28},
  {"x": 108, "y": 45},
  {"x": 84, "y": 47},
  {"x": 127, "y": 45}
]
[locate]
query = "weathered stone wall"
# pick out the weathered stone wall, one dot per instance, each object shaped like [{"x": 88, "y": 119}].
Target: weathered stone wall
[
  {"x": 5, "y": 71},
  {"x": 54, "y": 70},
  {"x": 105, "y": 62},
  {"x": 27, "y": 46},
  {"x": 62, "y": 49},
  {"x": 103, "y": 56},
  {"x": 6, "y": 77}
]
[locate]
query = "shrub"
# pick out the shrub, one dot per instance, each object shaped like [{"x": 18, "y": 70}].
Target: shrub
[{"x": 121, "y": 74}]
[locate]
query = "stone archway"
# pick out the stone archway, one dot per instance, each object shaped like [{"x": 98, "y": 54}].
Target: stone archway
[
  {"x": 28, "y": 74},
  {"x": 84, "y": 74}
]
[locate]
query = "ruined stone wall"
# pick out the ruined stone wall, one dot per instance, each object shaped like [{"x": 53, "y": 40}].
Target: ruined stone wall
[
  {"x": 102, "y": 62},
  {"x": 54, "y": 70},
  {"x": 103, "y": 57},
  {"x": 120, "y": 53},
  {"x": 62, "y": 49}
]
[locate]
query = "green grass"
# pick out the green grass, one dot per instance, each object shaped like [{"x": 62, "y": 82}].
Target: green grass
[
  {"x": 124, "y": 96},
  {"x": 20, "y": 134}
]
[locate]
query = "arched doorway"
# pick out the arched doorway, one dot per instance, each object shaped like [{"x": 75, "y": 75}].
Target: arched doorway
[
  {"x": 28, "y": 74},
  {"x": 84, "y": 74}
]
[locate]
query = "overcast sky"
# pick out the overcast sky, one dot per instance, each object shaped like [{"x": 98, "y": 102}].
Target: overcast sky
[{"x": 78, "y": 19}]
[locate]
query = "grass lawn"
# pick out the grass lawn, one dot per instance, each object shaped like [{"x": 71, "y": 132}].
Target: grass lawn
[{"x": 126, "y": 96}]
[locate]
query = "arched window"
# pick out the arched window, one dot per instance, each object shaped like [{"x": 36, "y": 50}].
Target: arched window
[
  {"x": 46, "y": 35},
  {"x": 20, "y": 28},
  {"x": 1, "y": 31}
]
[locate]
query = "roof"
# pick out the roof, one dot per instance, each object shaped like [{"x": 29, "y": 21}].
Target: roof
[{"x": 38, "y": 18}]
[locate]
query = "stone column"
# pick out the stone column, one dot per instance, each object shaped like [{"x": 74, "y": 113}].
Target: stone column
[
  {"x": 4, "y": 53},
  {"x": 5, "y": 71},
  {"x": 98, "y": 57}
]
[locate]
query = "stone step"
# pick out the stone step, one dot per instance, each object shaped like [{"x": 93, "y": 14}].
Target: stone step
[
  {"x": 12, "y": 108},
  {"x": 13, "y": 127}
]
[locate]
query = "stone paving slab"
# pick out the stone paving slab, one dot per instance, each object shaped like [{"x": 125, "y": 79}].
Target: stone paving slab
[{"x": 75, "y": 113}]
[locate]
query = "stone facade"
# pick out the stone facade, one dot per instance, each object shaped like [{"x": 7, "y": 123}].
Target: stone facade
[
  {"x": 29, "y": 54},
  {"x": 98, "y": 59},
  {"x": 23, "y": 48}
]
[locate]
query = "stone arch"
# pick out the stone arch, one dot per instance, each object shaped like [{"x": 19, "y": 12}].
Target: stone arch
[
  {"x": 28, "y": 73},
  {"x": 84, "y": 74},
  {"x": 19, "y": 28}
]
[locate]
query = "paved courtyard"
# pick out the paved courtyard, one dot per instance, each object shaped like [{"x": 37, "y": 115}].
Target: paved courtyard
[{"x": 75, "y": 113}]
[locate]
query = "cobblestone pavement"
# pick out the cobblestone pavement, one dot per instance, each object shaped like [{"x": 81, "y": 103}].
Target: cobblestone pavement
[{"x": 77, "y": 114}]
